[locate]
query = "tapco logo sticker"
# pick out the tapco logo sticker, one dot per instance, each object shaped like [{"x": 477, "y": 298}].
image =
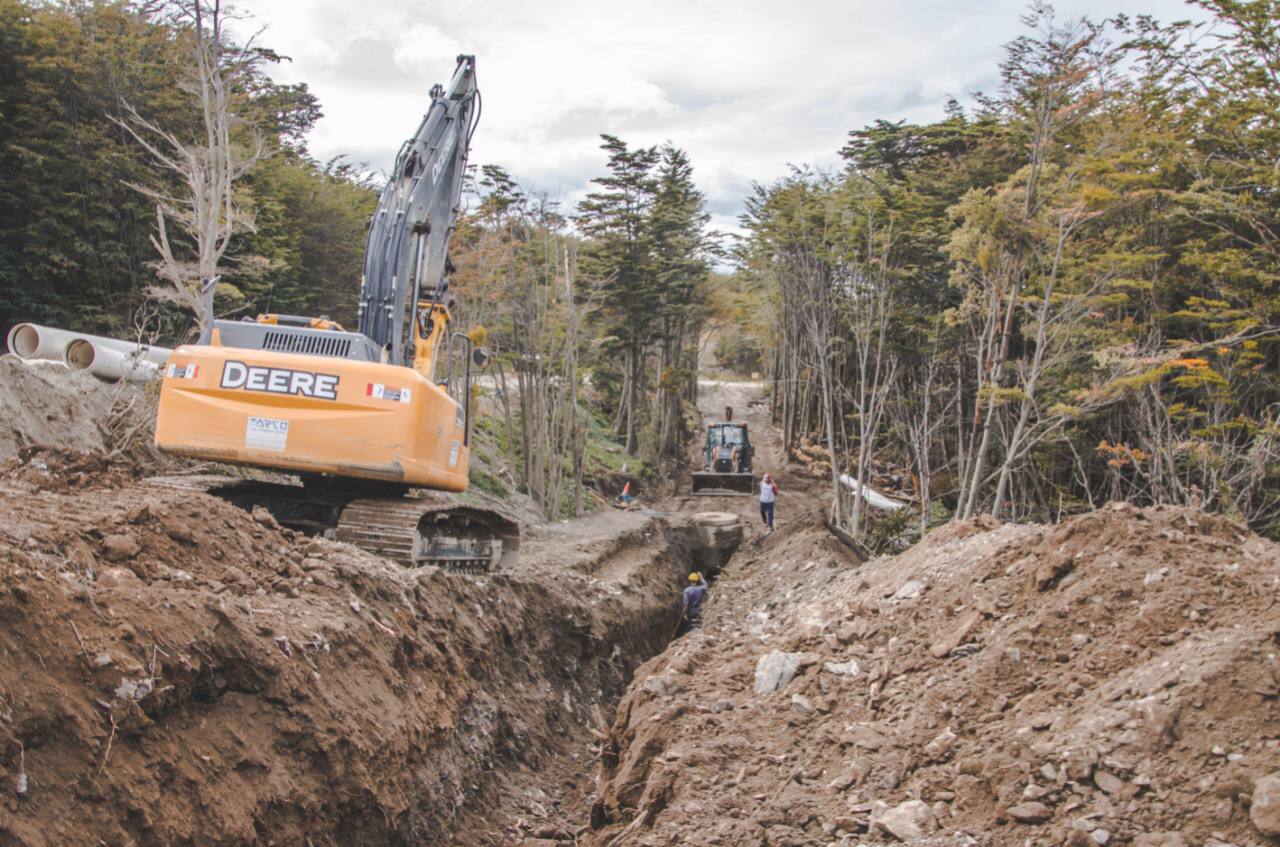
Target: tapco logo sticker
[
  {"x": 280, "y": 381},
  {"x": 266, "y": 434}
]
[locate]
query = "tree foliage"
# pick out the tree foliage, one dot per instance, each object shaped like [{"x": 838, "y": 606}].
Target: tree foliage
[
  {"x": 75, "y": 236},
  {"x": 649, "y": 249},
  {"x": 1084, "y": 284}
]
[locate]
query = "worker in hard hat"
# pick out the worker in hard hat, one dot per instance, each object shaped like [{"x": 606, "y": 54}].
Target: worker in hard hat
[{"x": 691, "y": 603}]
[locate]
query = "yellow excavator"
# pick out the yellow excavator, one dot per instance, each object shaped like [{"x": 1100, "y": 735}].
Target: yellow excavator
[{"x": 372, "y": 426}]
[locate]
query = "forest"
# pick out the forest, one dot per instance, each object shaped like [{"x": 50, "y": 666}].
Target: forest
[
  {"x": 1061, "y": 293},
  {"x": 100, "y": 112},
  {"x": 76, "y": 230}
]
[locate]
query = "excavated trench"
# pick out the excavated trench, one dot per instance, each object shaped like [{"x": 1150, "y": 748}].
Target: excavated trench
[
  {"x": 549, "y": 787},
  {"x": 521, "y": 759},
  {"x": 175, "y": 670}
]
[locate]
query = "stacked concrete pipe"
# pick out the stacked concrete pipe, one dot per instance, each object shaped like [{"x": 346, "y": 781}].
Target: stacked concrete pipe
[{"x": 105, "y": 358}]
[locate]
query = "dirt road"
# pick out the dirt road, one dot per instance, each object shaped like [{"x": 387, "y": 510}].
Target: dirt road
[{"x": 749, "y": 404}]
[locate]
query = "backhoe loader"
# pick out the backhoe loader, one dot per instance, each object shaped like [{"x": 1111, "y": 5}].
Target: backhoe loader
[{"x": 726, "y": 468}]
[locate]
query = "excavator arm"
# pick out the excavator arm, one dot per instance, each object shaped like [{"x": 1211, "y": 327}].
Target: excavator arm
[{"x": 406, "y": 257}]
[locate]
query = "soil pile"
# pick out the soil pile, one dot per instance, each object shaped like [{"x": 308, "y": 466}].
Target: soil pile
[
  {"x": 1113, "y": 679},
  {"x": 45, "y": 404},
  {"x": 176, "y": 670}
]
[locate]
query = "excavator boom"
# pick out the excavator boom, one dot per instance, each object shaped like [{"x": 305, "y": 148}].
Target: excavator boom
[{"x": 405, "y": 260}]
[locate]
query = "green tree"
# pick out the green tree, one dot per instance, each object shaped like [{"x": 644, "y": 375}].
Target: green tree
[
  {"x": 619, "y": 253},
  {"x": 73, "y": 236},
  {"x": 682, "y": 249}
]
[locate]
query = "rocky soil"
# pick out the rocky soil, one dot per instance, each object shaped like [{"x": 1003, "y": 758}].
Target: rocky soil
[
  {"x": 45, "y": 404},
  {"x": 1111, "y": 680},
  {"x": 174, "y": 670}
]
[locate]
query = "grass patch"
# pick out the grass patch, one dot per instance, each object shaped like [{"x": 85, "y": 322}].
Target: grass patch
[
  {"x": 606, "y": 464},
  {"x": 484, "y": 481}
]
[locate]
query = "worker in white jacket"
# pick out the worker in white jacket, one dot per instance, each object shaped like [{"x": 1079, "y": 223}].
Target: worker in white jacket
[{"x": 768, "y": 496}]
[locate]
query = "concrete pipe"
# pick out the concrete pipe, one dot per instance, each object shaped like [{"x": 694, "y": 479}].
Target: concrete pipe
[
  {"x": 155, "y": 355},
  {"x": 872, "y": 497},
  {"x": 30, "y": 341},
  {"x": 109, "y": 363}
]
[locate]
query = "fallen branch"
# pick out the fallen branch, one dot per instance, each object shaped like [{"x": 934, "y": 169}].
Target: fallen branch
[
  {"x": 107, "y": 754},
  {"x": 83, "y": 650}
]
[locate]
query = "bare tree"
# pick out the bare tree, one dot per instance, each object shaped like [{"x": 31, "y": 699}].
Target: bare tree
[
  {"x": 1057, "y": 322},
  {"x": 868, "y": 303},
  {"x": 202, "y": 204},
  {"x": 922, "y": 423},
  {"x": 1052, "y": 81},
  {"x": 812, "y": 288}
]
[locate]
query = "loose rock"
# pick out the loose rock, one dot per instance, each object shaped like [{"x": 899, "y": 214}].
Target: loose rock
[
  {"x": 1107, "y": 782},
  {"x": 940, "y": 747},
  {"x": 1264, "y": 811},
  {"x": 849, "y": 668},
  {"x": 120, "y": 547},
  {"x": 906, "y": 822},
  {"x": 1030, "y": 812},
  {"x": 775, "y": 669}
]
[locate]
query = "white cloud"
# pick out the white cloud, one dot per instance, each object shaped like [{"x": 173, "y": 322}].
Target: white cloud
[{"x": 746, "y": 87}]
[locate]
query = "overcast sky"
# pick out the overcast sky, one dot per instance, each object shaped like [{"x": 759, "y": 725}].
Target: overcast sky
[{"x": 746, "y": 87}]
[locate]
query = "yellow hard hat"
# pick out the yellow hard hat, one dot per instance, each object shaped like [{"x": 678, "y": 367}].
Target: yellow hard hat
[{"x": 695, "y": 577}]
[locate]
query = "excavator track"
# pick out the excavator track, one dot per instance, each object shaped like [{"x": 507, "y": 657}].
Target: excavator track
[{"x": 432, "y": 529}]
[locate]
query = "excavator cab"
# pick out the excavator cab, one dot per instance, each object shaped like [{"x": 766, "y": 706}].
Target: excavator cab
[{"x": 726, "y": 466}]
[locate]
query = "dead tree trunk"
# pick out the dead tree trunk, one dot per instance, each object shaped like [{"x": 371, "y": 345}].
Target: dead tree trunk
[{"x": 207, "y": 168}]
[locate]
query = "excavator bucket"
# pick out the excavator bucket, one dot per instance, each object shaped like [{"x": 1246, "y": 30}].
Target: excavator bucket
[{"x": 707, "y": 484}]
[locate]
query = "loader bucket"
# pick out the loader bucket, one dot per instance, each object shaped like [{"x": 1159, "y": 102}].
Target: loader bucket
[{"x": 708, "y": 484}]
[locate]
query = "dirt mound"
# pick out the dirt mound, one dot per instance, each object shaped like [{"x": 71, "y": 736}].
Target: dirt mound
[
  {"x": 1112, "y": 677},
  {"x": 44, "y": 404},
  {"x": 176, "y": 670},
  {"x": 56, "y": 469}
]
